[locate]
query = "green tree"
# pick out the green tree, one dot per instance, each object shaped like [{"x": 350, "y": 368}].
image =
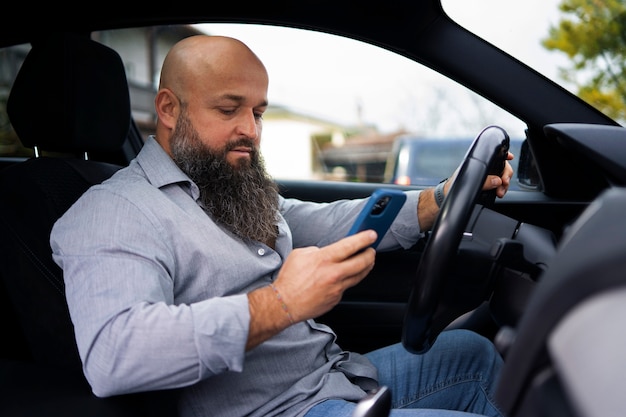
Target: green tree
[{"x": 593, "y": 35}]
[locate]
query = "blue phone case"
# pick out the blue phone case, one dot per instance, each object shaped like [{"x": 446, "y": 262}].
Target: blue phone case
[{"x": 379, "y": 212}]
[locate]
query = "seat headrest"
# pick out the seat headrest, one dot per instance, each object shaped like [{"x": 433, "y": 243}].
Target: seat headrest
[{"x": 70, "y": 95}]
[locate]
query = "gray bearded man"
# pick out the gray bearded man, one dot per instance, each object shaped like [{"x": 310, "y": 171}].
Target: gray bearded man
[{"x": 187, "y": 270}]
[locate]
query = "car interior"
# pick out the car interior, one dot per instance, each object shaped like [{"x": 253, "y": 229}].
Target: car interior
[
  {"x": 43, "y": 329},
  {"x": 539, "y": 273}
]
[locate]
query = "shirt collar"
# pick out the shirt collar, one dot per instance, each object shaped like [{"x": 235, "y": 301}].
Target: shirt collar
[{"x": 160, "y": 169}]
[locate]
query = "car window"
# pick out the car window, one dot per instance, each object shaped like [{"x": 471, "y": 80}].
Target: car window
[
  {"x": 507, "y": 25},
  {"x": 11, "y": 59},
  {"x": 576, "y": 44},
  {"x": 340, "y": 104},
  {"x": 414, "y": 160},
  {"x": 337, "y": 105}
]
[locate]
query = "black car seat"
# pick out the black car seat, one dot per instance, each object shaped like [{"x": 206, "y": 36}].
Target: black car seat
[
  {"x": 70, "y": 104},
  {"x": 567, "y": 355}
]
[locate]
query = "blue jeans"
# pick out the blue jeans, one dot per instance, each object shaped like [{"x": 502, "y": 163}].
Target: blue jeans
[{"x": 456, "y": 377}]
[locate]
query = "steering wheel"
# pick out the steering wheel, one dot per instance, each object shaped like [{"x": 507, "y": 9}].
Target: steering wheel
[{"x": 424, "y": 318}]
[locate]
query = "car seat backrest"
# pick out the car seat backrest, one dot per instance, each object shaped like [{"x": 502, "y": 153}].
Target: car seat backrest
[
  {"x": 534, "y": 380},
  {"x": 69, "y": 98}
]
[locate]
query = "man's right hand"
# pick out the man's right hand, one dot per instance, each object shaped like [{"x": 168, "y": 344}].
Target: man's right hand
[{"x": 311, "y": 281}]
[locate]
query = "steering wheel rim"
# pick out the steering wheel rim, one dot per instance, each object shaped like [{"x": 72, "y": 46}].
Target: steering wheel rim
[{"x": 486, "y": 155}]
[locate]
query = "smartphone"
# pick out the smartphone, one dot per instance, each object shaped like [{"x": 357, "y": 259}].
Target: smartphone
[{"x": 380, "y": 211}]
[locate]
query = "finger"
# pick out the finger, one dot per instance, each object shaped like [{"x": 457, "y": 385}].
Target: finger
[
  {"x": 492, "y": 182},
  {"x": 501, "y": 185},
  {"x": 500, "y": 182},
  {"x": 356, "y": 267},
  {"x": 350, "y": 245},
  {"x": 507, "y": 174},
  {"x": 354, "y": 279}
]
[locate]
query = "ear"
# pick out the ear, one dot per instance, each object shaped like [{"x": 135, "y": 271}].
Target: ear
[{"x": 167, "y": 107}]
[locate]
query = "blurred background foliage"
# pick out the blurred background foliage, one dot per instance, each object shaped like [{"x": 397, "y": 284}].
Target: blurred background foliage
[{"x": 593, "y": 35}]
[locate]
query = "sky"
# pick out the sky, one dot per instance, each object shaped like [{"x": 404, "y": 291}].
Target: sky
[{"x": 353, "y": 82}]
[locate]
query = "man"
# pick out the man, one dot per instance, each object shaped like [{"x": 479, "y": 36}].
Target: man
[{"x": 188, "y": 270}]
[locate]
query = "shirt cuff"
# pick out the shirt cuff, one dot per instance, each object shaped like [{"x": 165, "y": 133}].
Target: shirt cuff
[
  {"x": 405, "y": 229},
  {"x": 221, "y": 327}
]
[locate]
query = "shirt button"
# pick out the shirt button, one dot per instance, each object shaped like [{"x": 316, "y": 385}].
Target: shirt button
[{"x": 261, "y": 252}]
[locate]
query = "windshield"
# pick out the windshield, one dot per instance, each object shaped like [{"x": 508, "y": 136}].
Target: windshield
[{"x": 578, "y": 44}]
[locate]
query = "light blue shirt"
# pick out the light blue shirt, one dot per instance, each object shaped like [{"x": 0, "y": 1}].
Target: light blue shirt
[{"x": 157, "y": 294}]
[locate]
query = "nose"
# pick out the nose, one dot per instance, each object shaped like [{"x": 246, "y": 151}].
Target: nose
[{"x": 249, "y": 125}]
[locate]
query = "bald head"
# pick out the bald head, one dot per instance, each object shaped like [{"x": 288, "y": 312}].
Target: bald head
[
  {"x": 216, "y": 83},
  {"x": 208, "y": 59}
]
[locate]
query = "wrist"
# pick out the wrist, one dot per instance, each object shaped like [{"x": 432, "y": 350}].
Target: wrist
[
  {"x": 440, "y": 192},
  {"x": 281, "y": 301}
]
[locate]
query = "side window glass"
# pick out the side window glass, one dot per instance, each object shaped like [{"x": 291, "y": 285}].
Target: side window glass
[
  {"x": 11, "y": 59},
  {"x": 340, "y": 109},
  {"x": 344, "y": 110}
]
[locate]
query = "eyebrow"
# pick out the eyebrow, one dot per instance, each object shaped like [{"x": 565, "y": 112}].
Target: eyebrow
[{"x": 239, "y": 99}]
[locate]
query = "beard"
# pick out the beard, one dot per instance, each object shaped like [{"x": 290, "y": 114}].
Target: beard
[{"x": 242, "y": 198}]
